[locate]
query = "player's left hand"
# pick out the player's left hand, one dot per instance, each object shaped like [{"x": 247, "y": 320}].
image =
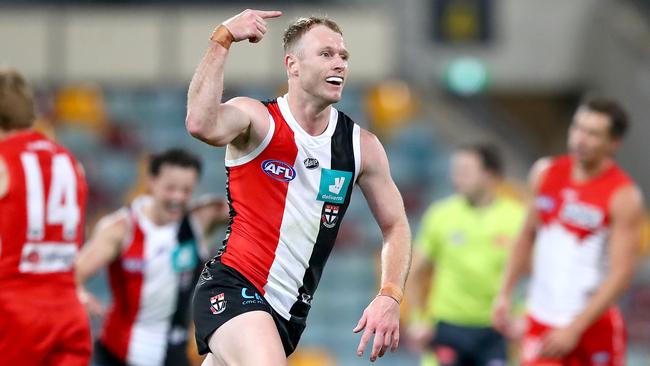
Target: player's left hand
[
  {"x": 380, "y": 318},
  {"x": 559, "y": 342}
]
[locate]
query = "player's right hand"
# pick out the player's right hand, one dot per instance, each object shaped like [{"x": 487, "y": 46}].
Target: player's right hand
[
  {"x": 501, "y": 314},
  {"x": 250, "y": 24}
]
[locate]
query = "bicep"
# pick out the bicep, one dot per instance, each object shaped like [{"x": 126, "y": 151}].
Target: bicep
[
  {"x": 233, "y": 119},
  {"x": 627, "y": 219}
]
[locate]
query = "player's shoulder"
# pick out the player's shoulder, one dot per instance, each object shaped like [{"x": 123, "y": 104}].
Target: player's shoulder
[
  {"x": 370, "y": 143},
  {"x": 117, "y": 223},
  {"x": 540, "y": 169},
  {"x": 249, "y": 105},
  {"x": 627, "y": 197}
]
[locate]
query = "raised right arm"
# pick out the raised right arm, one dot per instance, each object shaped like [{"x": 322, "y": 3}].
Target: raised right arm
[{"x": 208, "y": 119}]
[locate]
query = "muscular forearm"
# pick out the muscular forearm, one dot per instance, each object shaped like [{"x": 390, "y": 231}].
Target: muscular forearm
[
  {"x": 206, "y": 89},
  {"x": 396, "y": 255}
]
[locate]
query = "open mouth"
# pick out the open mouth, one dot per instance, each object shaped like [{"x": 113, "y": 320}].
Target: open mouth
[{"x": 335, "y": 80}]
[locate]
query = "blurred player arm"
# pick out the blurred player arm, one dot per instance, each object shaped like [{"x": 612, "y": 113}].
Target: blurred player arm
[
  {"x": 210, "y": 211},
  {"x": 418, "y": 285},
  {"x": 207, "y": 118},
  {"x": 103, "y": 247},
  {"x": 519, "y": 260},
  {"x": 381, "y": 317}
]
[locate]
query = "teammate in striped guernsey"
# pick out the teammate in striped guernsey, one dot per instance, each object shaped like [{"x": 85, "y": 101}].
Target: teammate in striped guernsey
[
  {"x": 582, "y": 235},
  {"x": 154, "y": 249},
  {"x": 291, "y": 163},
  {"x": 43, "y": 196}
]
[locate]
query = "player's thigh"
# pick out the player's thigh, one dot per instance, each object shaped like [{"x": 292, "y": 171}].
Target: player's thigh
[
  {"x": 24, "y": 339},
  {"x": 73, "y": 346},
  {"x": 248, "y": 339}
]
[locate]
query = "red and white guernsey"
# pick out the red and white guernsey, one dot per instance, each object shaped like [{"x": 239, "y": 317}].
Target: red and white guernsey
[
  {"x": 570, "y": 256},
  {"x": 151, "y": 284},
  {"x": 287, "y": 199},
  {"x": 41, "y": 215}
]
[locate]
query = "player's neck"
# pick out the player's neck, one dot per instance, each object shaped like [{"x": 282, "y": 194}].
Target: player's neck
[
  {"x": 154, "y": 214},
  {"x": 4, "y": 134},
  {"x": 584, "y": 171},
  {"x": 311, "y": 115}
]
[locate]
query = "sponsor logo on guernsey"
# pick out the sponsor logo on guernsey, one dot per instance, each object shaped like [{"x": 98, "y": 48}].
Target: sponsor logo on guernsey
[
  {"x": 47, "y": 257},
  {"x": 255, "y": 298},
  {"x": 583, "y": 215},
  {"x": 183, "y": 257},
  {"x": 334, "y": 185},
  {"x": 311, "y": 163},
  {"x": 278, "y": 170},
  {"x": 218, "y": 304},
  {"x": 330, "y": 216}
]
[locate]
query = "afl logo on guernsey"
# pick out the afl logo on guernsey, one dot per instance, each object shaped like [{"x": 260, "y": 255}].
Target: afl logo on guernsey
[{"x": 278, "y": 170}]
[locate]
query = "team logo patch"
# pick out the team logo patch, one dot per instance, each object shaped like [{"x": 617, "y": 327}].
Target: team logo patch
[
  {"x": 278, "y": 170},
  {"x": 311, "y": 163},
  {"x": 218, "y": 304},
  {"x": 330, "y": 216},
  {"x": 334, "y": 185}
]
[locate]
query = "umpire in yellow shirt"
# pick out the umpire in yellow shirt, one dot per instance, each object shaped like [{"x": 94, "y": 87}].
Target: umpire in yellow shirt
[{"x": 460, "y": 252}]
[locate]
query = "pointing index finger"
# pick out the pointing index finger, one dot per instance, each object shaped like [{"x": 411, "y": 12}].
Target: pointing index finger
[{"x": 265, "y": 14}]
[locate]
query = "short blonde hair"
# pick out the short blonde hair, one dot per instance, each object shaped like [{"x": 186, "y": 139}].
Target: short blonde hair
[
  {"x": 16, "y": 101},
  {"x": 301, "y": 26}
]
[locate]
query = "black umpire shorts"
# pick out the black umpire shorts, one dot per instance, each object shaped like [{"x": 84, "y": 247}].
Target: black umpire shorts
[
  {"x": 457, "y": 345},
  {"x": 223, "y": 293}
]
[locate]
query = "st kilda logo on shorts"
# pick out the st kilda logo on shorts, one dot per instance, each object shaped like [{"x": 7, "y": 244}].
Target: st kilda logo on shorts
[
  {"x": 278, "y": 170},
  {"x": 330, "y": 216},
  {"x": 311, "y": 163},
  {"x": 218, "y": 304}
]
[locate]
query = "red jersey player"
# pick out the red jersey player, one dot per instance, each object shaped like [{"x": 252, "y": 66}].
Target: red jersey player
[
  {"x": 582, "y": 235},
  {"x": 42, "y": 210}
]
